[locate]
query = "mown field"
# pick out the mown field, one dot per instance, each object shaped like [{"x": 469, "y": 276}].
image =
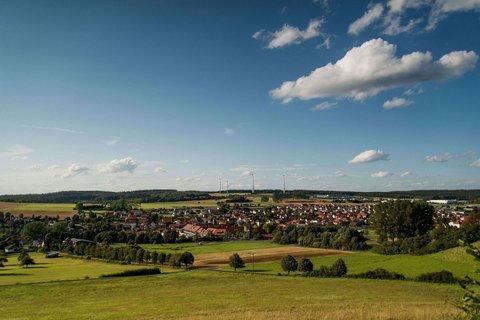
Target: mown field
[{"x": 57, "y": 269}]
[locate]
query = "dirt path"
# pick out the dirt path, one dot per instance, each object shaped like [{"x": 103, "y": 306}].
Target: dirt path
[{"x": 262, "y": 255}]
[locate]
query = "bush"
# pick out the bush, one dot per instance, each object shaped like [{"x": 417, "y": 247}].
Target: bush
[
  {"x": 175, "y": 260},
  {"x": 289, "y": 263},
  {"x": 305, "y": 265},
  {"x": 338, "y": 269},
  {"x": 379, "y": 274},
  {"x": 133, "y": 273},
  {"x": 443, "y": 276}
]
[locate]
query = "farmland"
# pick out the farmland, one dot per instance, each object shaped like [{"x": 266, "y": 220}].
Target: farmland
[{"x": 223, "y": 293}]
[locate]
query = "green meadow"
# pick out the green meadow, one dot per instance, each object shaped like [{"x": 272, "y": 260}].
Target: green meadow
[{"x": 454, "y": 260}]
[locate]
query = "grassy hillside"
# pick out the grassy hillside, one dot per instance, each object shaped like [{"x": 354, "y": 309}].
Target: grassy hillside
[
  {"x": 57, "y": 269},
  {"x": 214, "y": 295}
]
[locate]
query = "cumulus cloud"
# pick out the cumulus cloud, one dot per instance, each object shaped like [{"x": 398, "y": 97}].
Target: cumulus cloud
[
  {"x": 439, "y": 158},
  {"x": 475, "y": 164},
  {"x": 288, "y": 35},
  {"x": 74, "y": 170},
  {"x": 370, "y": 156},
  {"x": 372, "y": 68},
  {"x": 374, "y": 13},
  {"x": 324, "y": 106},
  {"x": 185, "y": 161},
  {"x": 380, "y": 174},
  {"x": 229, "y": 131},
  {"x": 119, "y": 165},
  {"x": 18, "y": 151},
  {"x": 247, "y": 173},
  {"x": 406, "y": 174},
  {"x": 397, "y": 103}
]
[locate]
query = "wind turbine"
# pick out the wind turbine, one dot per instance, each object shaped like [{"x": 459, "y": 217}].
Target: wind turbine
[
  {"x": 253, "y": 182},
  {"x": 283, "y": 183}
]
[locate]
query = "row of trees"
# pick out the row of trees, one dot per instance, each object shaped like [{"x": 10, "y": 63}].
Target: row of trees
[
  {"x": 131, "y": 254},
  {"x": 331, "y": 237}
]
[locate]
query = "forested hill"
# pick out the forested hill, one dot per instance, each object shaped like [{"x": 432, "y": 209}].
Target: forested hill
[{"x": 100, "y": 196}]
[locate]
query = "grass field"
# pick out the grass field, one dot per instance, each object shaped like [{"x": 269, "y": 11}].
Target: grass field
[
  {"x": 454, "y": 260},
  {"x": 57, "y": 269},
  {"x": 213, "y": 295}
]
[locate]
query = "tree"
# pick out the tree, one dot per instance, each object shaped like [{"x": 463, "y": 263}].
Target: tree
[
  {"x": 264, "y": 198},
  {"x": 289, "y": 263},
  {"x": 339, "y": 268},
  {"x": 470, "y": 304},
  {"x": 400, "y": 219},
  {"x": 33, "y": 230},
  {"x": 236, "y": 262},
  {"x": 175, "y": 260},
  {"x": 25, "y": 260},
  {"x": 1, "y": 265},
  {"x": 187, "y": 259},
  {"x": 305, "y": 265}
]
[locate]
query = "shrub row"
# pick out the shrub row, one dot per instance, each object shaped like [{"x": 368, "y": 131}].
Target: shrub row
[
  {"x": 338, "y": 269},
  {"x": 133, "y": 273},
  {"x": 379, "y": 274}
]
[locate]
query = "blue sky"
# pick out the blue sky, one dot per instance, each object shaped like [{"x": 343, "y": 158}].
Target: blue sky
[{"x": 340, "y": 95}]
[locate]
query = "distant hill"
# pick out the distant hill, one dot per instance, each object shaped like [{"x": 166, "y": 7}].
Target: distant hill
[
  {"x": 100, "y": 196},
  {"x": 175, "y": 195}
]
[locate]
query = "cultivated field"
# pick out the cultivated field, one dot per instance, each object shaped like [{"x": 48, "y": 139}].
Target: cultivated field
[{"x": 43, "y": 209}]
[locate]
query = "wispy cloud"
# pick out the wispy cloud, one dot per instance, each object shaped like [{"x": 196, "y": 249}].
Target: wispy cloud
[
  {"x": 229, "y": 131},
  {"x": 113, "y": 141},
  {"x": 18, "y": 152},
  {"x": 58, "y": 129},
  {"x": 381, "y": 174}
]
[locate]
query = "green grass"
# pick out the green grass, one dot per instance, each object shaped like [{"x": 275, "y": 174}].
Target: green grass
[
  {"x": 454, "y": 260},
  {"x": 53, "y": 209},
  {"x": 215, "y": 295},
  {"x": 210, "y": 247},
  {"x": 56, "y": 269}
]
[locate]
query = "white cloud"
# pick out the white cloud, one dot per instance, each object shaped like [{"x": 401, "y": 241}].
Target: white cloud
[
  {"x": 339, "y": 173},
  {"x": 439, "y": 158},
  {"x": 380, "y": 174},
  {"x": 185, "y": 161},
  {"x": 35, "y": 168},
  {"x": 119, "y": 165},
  {"x": 324, "y": 106},
  {"x": 413, "y": 91},
  {"x": 475, "y": 164},
  {"x": 406, "y": 174},
  {"x": 372, "y": 68},
  {"x": 113, "y": 141},
  {"x": 397, "y": 103},
  {"x": 442, "y": 8},
  {"x": 370, "y": 156},
  {"x": 288, "y": 35},
  {"x": 229, "y": 131},
  {"x": 159, "y": 170},
  {"x": 391, "y": 19},
  {"x": 246, "y": 173},
  {"x": 74, "y": 170},
  {"x": 374, "y": 13},
  {"x": 66, "y": 130},
  {"x": 18, "y": 151}
]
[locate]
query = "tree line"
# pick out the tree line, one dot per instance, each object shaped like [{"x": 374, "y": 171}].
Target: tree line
[{"x": 328, "y": 237}]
